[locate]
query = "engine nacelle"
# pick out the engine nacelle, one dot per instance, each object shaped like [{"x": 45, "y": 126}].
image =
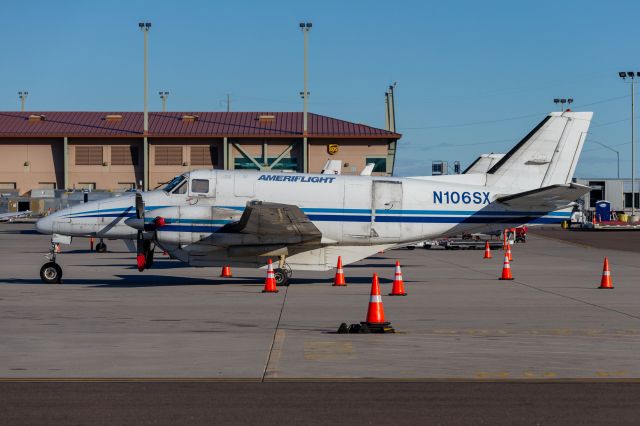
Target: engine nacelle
[{"x": 184, "y": 225}]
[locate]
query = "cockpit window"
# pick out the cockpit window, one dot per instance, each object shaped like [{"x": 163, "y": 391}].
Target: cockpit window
[
  {"x": 200, "y": 186},
  {"x": 174, "y": 183},
  {"x": 182, "y": 188}
]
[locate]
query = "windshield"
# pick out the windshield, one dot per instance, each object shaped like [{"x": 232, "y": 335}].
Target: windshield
[{"x": 173, "y": 183}]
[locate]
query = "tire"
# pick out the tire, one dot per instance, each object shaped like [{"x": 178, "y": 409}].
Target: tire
[
  {"x": 282, "y": 279},
  {"x": 101, "y": 248},
  {"x": 51, "y": 273}
]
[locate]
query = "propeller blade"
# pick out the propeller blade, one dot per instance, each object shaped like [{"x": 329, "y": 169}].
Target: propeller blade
[{"x": 139, "y": 206}]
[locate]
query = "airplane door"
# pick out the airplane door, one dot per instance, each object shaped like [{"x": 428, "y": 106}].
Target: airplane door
[
  {"x": 387, "y": 202},
  {"x": 356, "y": 223}
]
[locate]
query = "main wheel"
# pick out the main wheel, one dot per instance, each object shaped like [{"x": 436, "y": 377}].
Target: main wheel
[
  {"x": 282, "y": 278},
  {"x": 51, "y": 273},
  {"x": 101, "y": 247}
]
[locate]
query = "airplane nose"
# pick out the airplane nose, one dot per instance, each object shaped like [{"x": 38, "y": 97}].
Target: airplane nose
[{"x": 45, "y": 225}]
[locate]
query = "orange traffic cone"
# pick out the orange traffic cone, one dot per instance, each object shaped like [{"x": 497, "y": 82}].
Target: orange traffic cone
[
  {"x": 509, "y": 255},
  {"x": 270, "y": 282},
  {"x": 606, "y": 282},
  {"x": 398, "y": 283},
  {"x": 226, "y": 272},
  {"x": 91, "y": 243},
  {"x": 487, "y": 251},
  {"x": 506, "y": 269},
  {"x": 339, "y": 278},
  {"x": 375, "y": 313}
]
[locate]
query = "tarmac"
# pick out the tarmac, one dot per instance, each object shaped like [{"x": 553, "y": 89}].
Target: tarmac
[{"x": 107, "y": 321}]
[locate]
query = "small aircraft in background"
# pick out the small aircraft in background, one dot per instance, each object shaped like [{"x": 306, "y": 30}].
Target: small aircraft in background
[
  {"x": 9, "y": 217},
  {"x": 305, "y": 221}
]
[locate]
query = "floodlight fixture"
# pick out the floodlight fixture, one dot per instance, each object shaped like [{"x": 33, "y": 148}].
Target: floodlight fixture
[{"x": 631, "y": 74}]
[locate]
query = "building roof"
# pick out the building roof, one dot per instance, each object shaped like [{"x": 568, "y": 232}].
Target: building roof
[{"x": 181, "y": 124}]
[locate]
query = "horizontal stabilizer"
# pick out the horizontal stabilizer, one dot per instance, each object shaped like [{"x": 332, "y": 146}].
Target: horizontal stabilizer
[{"x": 549, "y": 198}]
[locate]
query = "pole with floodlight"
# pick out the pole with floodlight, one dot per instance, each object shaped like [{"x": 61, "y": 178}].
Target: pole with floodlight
[{"x": 632, "y": 75}]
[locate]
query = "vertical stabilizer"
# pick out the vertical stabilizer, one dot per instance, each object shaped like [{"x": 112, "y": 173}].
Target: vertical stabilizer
[{"x": 548, "y": 155}]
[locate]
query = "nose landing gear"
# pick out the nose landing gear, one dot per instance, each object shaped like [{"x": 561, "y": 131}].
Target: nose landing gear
[{"x": 51, "y": 272}]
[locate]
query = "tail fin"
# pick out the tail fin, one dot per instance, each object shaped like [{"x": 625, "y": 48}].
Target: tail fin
[{"x": 548, "y": 155}]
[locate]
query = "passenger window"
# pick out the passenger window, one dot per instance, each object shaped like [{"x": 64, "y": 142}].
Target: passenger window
[{"x": 200, "y": 186}]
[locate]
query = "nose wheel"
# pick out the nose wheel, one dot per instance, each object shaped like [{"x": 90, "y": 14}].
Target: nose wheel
[
  {"x": 283, "y": 273},
  {"x": 51, "y": 272}
]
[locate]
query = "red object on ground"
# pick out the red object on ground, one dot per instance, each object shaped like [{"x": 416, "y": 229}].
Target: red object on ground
[
  {"x": 375, "y": 313},
  {"x": 398, "y": 282},
  {"x": 506, "y": 269},
  {"x": 605, "y": 281},
  {"x": 338, "y": 280},
  {"x": 226, "y": 272},
  {"x": 91, "y": 243},
  {"x": 487, "y": 250},
  {"x": 270, "y": 281}
]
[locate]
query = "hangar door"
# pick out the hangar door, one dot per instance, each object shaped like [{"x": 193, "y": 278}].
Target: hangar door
[{"x": 387, "y": 202}]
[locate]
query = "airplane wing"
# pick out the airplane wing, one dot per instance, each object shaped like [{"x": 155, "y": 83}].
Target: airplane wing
[
  {"x": 549, "y": 198},
  {"x": 273, "y": 223}
]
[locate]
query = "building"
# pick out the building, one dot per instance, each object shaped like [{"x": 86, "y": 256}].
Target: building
[
  {"x": 616, "y": 191},
  {"x": 109, "y": 150}
]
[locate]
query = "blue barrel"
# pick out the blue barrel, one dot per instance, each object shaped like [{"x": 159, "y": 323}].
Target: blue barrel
[{"x": 603, "y": 210}]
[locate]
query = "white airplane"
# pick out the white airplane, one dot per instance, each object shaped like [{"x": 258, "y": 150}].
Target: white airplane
[
  {"x": 8, "y": 217},
  {"x": 242, "y": 218}
]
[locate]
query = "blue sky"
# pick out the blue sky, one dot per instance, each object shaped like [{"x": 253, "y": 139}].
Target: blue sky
[{"x": 472, "y": 76}]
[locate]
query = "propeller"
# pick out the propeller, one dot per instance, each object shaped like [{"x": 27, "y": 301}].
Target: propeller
[{"x": 144, "y": 256}]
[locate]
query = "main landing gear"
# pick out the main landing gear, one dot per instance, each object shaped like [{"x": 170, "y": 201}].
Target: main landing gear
[
  {"x": 283, "y": 272},
  {"x": 51, "y": 272},
  {"x": 101, "y": 247}
]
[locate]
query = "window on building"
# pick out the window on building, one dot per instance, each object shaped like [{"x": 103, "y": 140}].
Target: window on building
[
  {"x": 124, "y": 155},
  {"x": 380, "y": 164},
  {"x": 127, "y": 186},
  {"x": 627, "y": 200},
  {"x": 200, "y": 186},
  {"x": 168, "y": 155},
  {"x": 287, "y": 163},
  {"x": 88, "y": 155},
  {"x": 204, "y": 155},
  {"x": 7, "y": 185},
  {"x": 89, "y": 186},
  {"x": 46, "y": 185}
]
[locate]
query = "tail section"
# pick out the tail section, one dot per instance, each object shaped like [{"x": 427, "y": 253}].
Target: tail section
[{"x": 548, "y": 155}]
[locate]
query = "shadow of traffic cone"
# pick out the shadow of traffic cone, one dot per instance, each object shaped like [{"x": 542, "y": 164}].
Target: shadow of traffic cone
[
  {"x": 506, "y": 269},
  {"x": 398, "y": 282},
  {"x": 338, "y": 280},
  {"x": 226, "y": 272},
  {"x": 606, "y": 282},
  {"x": 270, "y": 282},
  {"x": 487, "y": 251},
  {"x": 508, "y": 254}
]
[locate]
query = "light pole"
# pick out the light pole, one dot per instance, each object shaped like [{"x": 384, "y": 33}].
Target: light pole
[
  {"x": 145, "y": 27},
  {"x": 23, "y": 99},
  {"x": 632, "y": 75},
  {"x": 305, "y": 27},
  {"x": 563, "y": 101},
  {"x": 164, "y": 95},
  {"x": 610, "y": 149}
]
